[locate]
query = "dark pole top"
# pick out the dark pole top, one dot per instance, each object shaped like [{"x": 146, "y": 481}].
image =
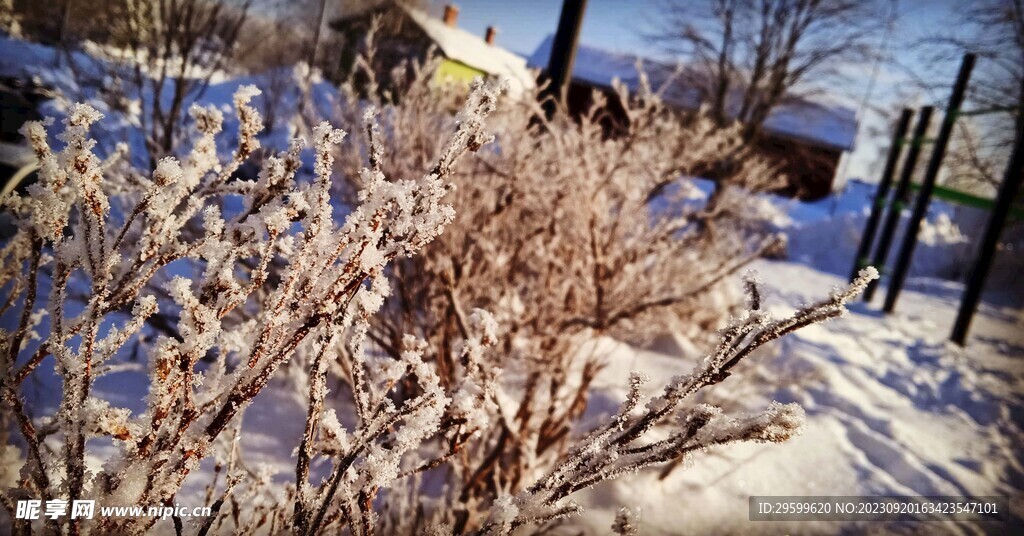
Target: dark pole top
[
  {"x": 563, "y": 47},
  {"x": 924, "y": 119},
  {"x": 956, "y": 99}
]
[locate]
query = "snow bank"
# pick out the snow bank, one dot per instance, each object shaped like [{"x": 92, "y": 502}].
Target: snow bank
[{"x": 825, "y": 234}]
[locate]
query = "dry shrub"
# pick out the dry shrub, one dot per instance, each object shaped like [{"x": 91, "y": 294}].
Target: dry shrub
[
  {"x": 566, "y": 229},
  {"x": 433, "y": 431}
]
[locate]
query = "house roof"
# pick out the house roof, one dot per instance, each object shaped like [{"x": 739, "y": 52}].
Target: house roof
[
  {"x": 464, "y": 47},
  {"x": 829, "y": 126}
]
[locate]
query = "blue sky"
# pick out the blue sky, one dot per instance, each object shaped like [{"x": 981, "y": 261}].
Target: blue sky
[
  {"x": 619, "y": 24},
  {"x": 523, "y": 24}
]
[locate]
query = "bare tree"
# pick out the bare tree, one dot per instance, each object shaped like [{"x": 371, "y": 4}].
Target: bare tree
[
  {"x": 994, "y": 31},
  {"x": 164, "y": 52},
  {"x": 747, "y": 56},
  {"x": 996, "y": 34},
  {"x": 175, "y": 47}
]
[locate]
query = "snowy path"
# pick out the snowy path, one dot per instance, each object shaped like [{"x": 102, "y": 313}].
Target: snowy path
[{"x": 892, "y": 409}]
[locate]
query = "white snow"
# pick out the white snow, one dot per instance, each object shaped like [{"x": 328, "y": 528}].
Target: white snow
[{"x": 892, "y": 408}]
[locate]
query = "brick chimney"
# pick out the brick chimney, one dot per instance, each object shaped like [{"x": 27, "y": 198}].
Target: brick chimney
[
  {"x": 451, "y": 15},
  {"x": 491, "y": 33}
]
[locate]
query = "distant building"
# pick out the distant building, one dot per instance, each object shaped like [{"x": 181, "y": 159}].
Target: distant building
[
  {"x": 407, "y": 32},
  {"x": 807, "y": 138}
]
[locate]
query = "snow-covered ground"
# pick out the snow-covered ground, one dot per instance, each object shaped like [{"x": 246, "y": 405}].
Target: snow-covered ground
[{"x": 893, "y": 409}]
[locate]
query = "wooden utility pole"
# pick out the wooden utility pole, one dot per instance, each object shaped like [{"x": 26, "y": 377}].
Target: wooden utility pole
[{"x": 563, "y": 49}]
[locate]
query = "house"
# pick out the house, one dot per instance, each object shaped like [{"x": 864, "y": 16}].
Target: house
[
  {"x": 407, "y": 32},
  {"x": 808, "y": 139}
]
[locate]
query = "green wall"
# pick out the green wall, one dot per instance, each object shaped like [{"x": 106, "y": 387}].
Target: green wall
[{"x": 457, "y": 71}]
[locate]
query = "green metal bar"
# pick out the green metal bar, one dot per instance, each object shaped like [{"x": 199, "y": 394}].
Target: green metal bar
[
  {"x": 969, "y": 200},
  {"x": 986, "y": 111}
]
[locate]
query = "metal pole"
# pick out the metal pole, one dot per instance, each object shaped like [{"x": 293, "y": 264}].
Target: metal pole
[
  {"x": 563, "y": 47},
  {"x": 924, "y": 196},
  {"x": 1004, "y": 201},
  {"x": 899, "y": 198},
  {"x": 881, "y": 194}
]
